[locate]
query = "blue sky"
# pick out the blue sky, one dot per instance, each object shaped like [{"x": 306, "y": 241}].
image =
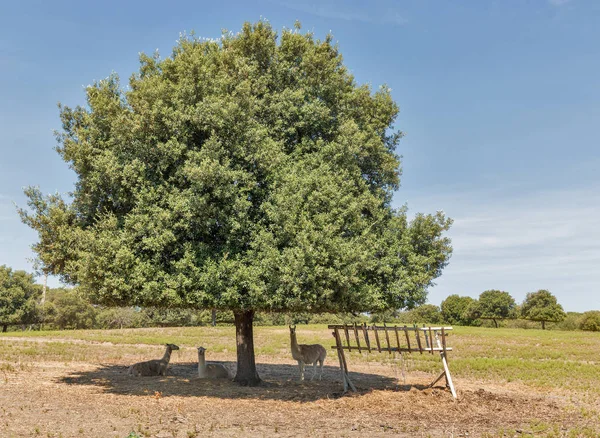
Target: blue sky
[{"x": 500, "y": 103}]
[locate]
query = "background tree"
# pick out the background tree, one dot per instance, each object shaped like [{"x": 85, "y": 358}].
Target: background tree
[
  {"x": 426, "y": 313},
  {"x": 455, "y": 310},
  {"x": 495, "y": 305},
  {"x": 250, "y": 173},
  {"x": 542, "y": 306},
  {"x": 590, "y": 321},
  {"x": 68, "y": 309},
  {"x": 18, "y": 297}
]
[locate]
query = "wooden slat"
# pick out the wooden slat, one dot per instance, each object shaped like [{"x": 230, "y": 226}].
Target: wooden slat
[
  {"x": 366, "y": 333},
  {"x": 419, "y": 341},
  {"x": 347, "y": 337},
  {"x": 433, "y": 328},
  {"x": 431, "y": 340},
  {"x": 407, "y": 337},
  {"x": 357, "y": 338},
  {"x": 341, "y": 326},
  {"x": 443, "y": 339},
  {"x": 403, "y": 349},
  {"x": 387, "y": 339},
  {"x": 377, "y": 338},
  {"x": 397, "y": 337}
]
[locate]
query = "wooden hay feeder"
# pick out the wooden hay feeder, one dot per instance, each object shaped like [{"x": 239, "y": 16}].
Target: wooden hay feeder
[{"x": 401, "y": 337}]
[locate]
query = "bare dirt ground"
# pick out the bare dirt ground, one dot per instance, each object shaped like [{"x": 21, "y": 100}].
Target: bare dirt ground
[{"x": 81, "y": 399}]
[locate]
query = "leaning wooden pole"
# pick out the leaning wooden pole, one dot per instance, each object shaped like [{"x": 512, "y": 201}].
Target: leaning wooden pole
[
  {"x": 343, "y": 365},
  {"x": 445, "y": 363}
]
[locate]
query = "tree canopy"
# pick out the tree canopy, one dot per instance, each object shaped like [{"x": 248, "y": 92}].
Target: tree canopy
[
  {"x": 18, "y": 295},
  {"x": 495, "y": 305},
  {"x": 542, "y": 306},
  {"x": 247, "y": 173},
  {"x": 455, "y": 310}
]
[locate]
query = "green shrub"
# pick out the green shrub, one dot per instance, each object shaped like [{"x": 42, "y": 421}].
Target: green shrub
[{"x": 590, "y": 321}]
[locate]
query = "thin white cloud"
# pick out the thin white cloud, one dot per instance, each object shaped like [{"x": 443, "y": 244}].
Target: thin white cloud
[
  {"x": 521, "y": 243},
  {"x": 343, "y": 11}
]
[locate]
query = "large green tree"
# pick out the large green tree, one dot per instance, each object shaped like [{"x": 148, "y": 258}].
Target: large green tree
[
  {"x": 495, "y": 305},
  {"x": 249, "y": 173},
  {"x": 18, "y": 295},
  {"x": 456, "y": 310},
  {"x": 542, "y": 306}
]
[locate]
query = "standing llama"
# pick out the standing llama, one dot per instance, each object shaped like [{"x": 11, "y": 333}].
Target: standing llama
[
  {"x": 155, "y": 367},
  {"x": 210, "y": 370},
  {"x": 307, "y": 354}
]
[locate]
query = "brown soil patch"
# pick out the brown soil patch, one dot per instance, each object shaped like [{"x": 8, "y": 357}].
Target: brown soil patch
[{"x": 82, "y": 399}]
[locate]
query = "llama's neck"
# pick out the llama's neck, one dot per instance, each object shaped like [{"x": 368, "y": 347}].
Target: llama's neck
[
  {"x": 201, "y": 360},
  {"x": 167, "y": 356},
  {"x": 201, "y": 364},
  {"x": 295, "y": 348}
]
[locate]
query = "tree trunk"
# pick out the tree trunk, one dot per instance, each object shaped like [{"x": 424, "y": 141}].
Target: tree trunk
[
  {"x": 44, "y": 289},
  {"x": 4, "y": 328},
  {"x": 543, "y": 325},
  {"x": 214, "y": 317},
  {"x": 246, "y": 367},
  {"x": 495, "y": 323}
]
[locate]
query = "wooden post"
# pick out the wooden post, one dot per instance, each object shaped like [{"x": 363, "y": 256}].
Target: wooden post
[
  {"x": 446, "y": 369},
  {"x": 339, "y": 352},
  {"x": 343, "y": 364}
]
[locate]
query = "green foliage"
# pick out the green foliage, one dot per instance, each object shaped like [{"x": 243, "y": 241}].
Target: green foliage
[
  {"x": 384, "y": 316},
  {"x": 18, "y": 295},
  {"x": 494, "y": 305},
  {"x": 165, "y": 317},
  {"x": 590, "y": 321},
  {"x": 572, "y": 321},
  {"x": 122, "y": 317},
  {"x": 542, "y": 306},
  {"x": 248, "y": 173},
  {"x": 424, "y": 314},
  {"x": 68, "y": 309},
  {"x": 455, "y": 310}
]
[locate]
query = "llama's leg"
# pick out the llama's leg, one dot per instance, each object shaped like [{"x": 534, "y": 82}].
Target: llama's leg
[
  {"x": 314, "y": 370},
  {"x": 321, "y": 369},
  {"x": 301, "y": 366}
]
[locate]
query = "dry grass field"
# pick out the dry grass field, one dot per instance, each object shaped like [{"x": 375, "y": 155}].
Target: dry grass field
[{"x": 509, "y": 382}]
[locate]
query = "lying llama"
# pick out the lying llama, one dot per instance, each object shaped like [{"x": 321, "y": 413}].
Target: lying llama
[
  {"x": 155, "y": 367},
  {"x": 307, "y": 354},
  {"x": 210, "y": 370}
]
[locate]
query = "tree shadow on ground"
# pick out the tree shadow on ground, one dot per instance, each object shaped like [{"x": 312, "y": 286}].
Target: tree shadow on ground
[{"x": 280, "y": 382}]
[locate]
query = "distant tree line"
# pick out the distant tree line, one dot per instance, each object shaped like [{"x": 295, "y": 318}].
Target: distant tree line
[{"x": 21, "y": 308}]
